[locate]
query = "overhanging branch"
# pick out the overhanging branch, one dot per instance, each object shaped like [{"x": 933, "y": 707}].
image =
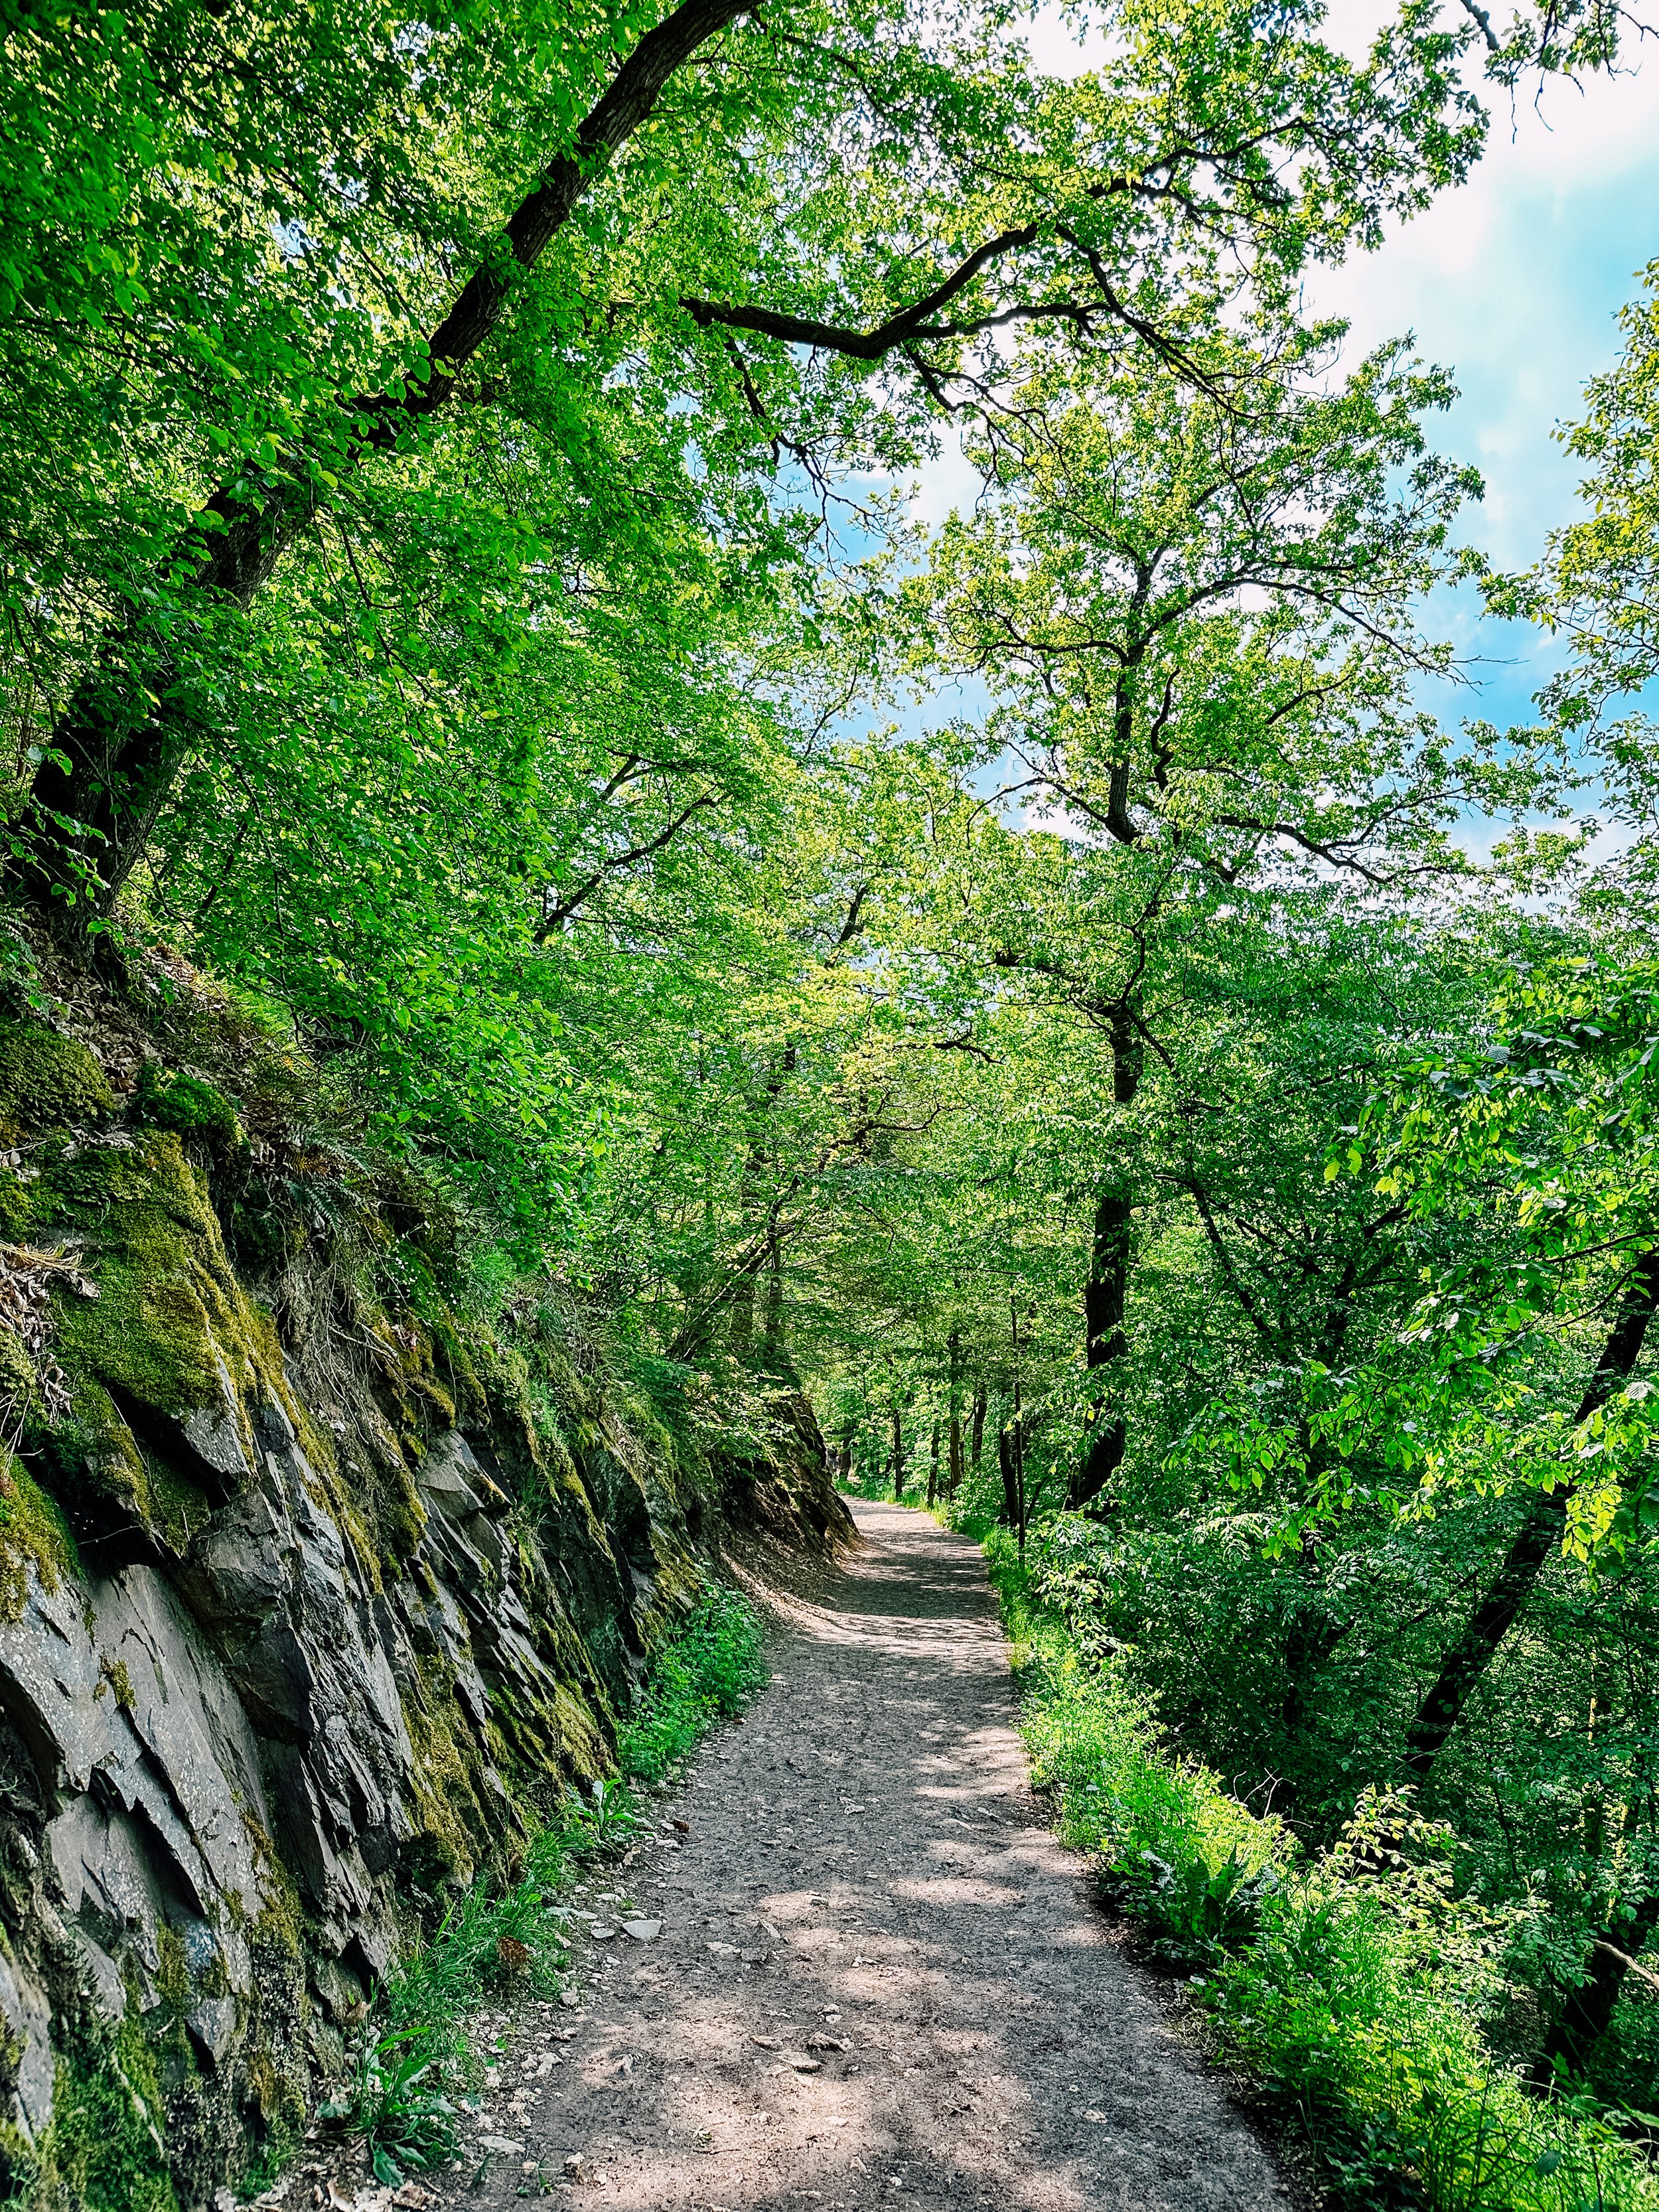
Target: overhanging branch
[
  {"x": 908, "y": 324},
  {"x": 554, "y": 917}
]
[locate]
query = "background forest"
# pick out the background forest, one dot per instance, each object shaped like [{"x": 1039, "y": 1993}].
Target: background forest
[{"x": 1046, "y": 984}]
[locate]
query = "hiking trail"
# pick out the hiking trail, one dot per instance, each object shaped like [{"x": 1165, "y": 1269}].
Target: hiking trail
[{"x": 877, "y": 1977}]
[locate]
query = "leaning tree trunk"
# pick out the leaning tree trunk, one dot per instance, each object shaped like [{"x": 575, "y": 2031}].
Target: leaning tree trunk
[
  {"x": 740, "y": 1325},
  {"x": 1587, "y": 2013},
  {"x": 118, "y": 744},
  {"x": 1536, "y": 1538},
  {"x": 1105, "y": 1294}
]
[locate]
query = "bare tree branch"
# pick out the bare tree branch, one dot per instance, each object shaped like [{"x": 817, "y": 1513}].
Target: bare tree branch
[
  {"x": 555, "y": 917},
  {"x": 1480, "y": 16},
  {"x": 866, "y": 345}
]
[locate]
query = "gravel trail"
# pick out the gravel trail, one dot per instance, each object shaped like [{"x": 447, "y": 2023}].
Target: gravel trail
[{"x": 878, "y": 1978}]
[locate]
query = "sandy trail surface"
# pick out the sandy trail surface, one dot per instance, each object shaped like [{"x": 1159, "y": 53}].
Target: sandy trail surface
[{"x": 877, "y": 1979}]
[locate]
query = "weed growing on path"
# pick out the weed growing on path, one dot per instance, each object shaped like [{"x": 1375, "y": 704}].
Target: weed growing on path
[{"x": 1352, "y": 1986}]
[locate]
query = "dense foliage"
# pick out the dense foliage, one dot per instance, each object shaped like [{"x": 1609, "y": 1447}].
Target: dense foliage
[{"x": 459, "y": 588}]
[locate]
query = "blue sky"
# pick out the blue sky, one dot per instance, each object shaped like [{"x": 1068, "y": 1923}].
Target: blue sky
[{"x": 1513, "y": 283}]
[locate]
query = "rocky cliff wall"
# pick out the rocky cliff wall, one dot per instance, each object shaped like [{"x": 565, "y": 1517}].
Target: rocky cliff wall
[{"x": 313, "y": 1594}]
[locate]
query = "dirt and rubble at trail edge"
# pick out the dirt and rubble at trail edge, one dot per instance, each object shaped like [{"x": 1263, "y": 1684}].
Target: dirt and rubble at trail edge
[{"x": 862, "y": 1969}]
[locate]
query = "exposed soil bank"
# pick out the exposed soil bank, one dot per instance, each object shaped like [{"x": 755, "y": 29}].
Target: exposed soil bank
[{"x": 863, "y": 1865}]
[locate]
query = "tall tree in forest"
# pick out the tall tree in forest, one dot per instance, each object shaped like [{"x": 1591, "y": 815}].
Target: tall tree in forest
[{"x": 1199, "y": 610}]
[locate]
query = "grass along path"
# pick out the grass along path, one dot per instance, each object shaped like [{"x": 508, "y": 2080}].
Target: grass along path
[{"x": 1350, "y": 1987}]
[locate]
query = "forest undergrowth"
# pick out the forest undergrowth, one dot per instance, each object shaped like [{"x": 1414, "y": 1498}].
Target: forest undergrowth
[{"x": 1351, "y": 1986}]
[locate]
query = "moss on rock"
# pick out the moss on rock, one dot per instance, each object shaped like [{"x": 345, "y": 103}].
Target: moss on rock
[
  {"x": 172, "y": 1338},
  {"x": 105, "y": 2150},
  {"x": 95, "y": 1458},
  {"x": 33, "y": 1533},
  {"x": 190, "y": 1108},
  {"x": 48, "y": 1081},
  {"x": 451, "y": 1800},
  {"x": 170, "y": 1326}
]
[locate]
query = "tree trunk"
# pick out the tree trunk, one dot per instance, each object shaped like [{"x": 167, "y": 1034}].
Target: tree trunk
[
  {"x": 1019, "y": 1477},
  {"x": 1019, "y": 1437},
  {"x": 844, "y": 1460},
  {"x": 932, "y": 1470},
  {"x": 1010, "y": 1514},
  {"x": 741, "y": 1334},
  {"x": 775, "y": 1352},
  {"x": 953, "y": 1463},
  {"x": 980, "y": 1402},
  {"x": 898, "y": 1456},
  {"x": 1539, "y": 1533},
  {"x": 1587, "y": 2013},
  {"x": 130, "y": 722},
  {"x": 740, "y": 1330},
  {"x": 1310, "y": 1637},
  {"x": 1105, "y": 1294}
]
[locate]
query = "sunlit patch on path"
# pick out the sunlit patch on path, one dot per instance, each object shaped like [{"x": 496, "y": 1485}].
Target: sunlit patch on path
[{"x": 879, "y": 1980}]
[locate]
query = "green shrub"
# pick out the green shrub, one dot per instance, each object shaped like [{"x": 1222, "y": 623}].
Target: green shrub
[
  {"x": 1351, "y": 1985},
  {"x": 1171, "y": 1847},
  {"x": 708, "y": 1673},
  {"x": 1334, "y": 2004},
  {"x": 603, "y": 1823}
]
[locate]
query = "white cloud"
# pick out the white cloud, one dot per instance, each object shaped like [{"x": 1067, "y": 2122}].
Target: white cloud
[{"x": 1513, "y": 282}]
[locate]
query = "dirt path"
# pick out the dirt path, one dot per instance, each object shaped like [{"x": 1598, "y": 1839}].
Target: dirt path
[{"x": 862, "y": 1866}]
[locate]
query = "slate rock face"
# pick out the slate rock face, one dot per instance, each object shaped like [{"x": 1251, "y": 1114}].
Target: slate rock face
[
  {"x": 225, "y": 1751},
  {"x": 298, "y": 1625},
  {"x": 280, "y": 1657}
]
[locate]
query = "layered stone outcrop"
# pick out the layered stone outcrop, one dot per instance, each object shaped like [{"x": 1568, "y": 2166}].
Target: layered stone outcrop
[{"x": 309, "y": 1600}]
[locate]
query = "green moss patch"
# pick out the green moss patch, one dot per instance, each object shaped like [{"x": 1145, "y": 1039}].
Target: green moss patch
[
  {"x": 171, "y": 1332},
  {"x": 104, "y": 2151},
  {"x": 451, "y": 1802},
  {"x": 33, "y": 1533},
  {"x": 48, "y": 1081},
  {"x": 189, "y": 1107},
  {"x": 170, "y": 1315}
]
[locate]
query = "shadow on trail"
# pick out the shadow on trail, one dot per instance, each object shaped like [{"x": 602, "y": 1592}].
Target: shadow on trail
[{"x": 863, "y": 1867}]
